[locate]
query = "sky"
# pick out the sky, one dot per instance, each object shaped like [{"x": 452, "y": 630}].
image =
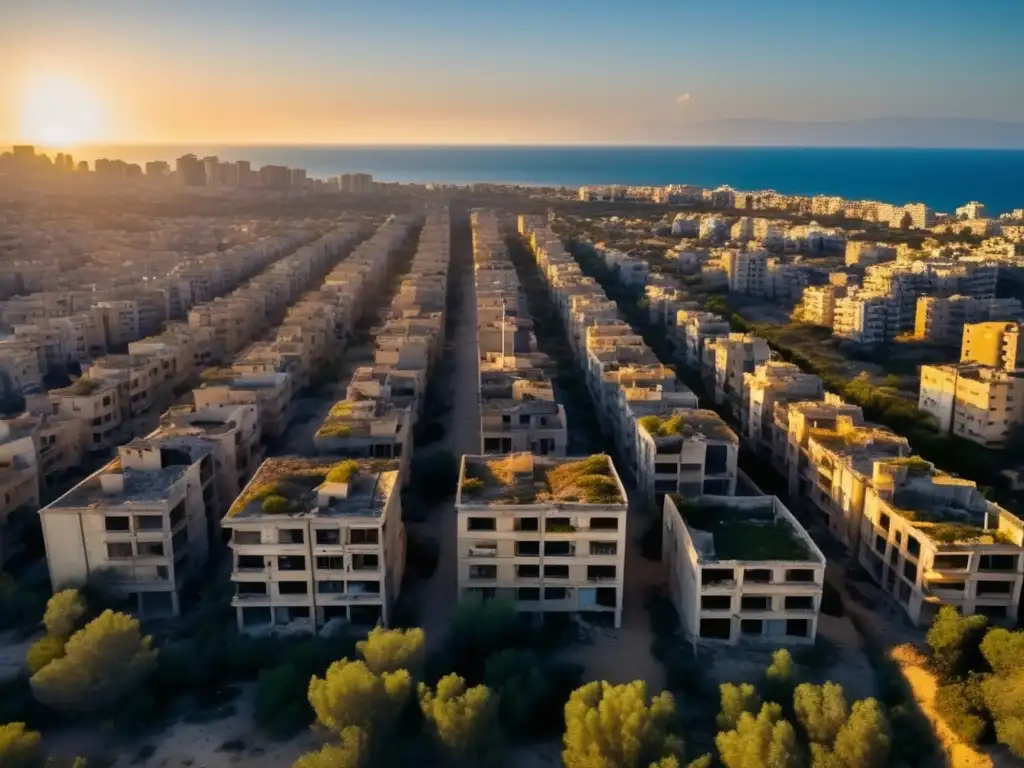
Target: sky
[{"x": 494, "y": 71}]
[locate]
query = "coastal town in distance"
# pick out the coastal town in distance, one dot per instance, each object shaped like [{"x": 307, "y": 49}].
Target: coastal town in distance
[{"x": 264, "y": 436}]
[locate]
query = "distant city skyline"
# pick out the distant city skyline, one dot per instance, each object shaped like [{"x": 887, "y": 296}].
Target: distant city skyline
[{"x": 520, "y": 72}]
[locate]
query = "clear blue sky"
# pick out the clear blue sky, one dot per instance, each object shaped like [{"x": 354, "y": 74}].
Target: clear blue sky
[{"x": 530, "y": 71}]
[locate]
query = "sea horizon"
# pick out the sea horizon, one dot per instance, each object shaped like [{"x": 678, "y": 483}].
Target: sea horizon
[{"x": 943, "y": 178}]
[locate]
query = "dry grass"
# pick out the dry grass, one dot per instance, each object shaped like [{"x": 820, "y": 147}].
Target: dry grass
[
  {"x": 510, "y": 469},
  {"x": 290, "y": 479}
]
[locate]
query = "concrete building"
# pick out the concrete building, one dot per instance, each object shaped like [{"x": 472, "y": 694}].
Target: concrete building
[
  {"x": 741, "y": 570},
  {"x": 942, "y": 320},
  {"x": 19, "y": 489},
  {"x": 521, "y": 415},
  {"x": 142, "y": 519},
  {"x": 270, "y": 392},
  {"x": 770, "y": 383},
  {"x": 860, "y": 253},
  {"x": 314, "y": 541},
  {"x": 791, "y": 433},
  {"x": 865, "y": 317},
  {"x": 972, "y": 210},
  {"x": 997, "y": 344},
  {"x": 531, "y": 530},
  {"x": 725, "y": 362},
  {"x": 976, "y": 402},
  {"x": 693, "y": 330},
  {"x": 98, "y": 404},
  {"x": 689, "y": 452},
  {"x": 747, "y": 271},
  {"x": 818, "y": 305},
  {"x": 59, "y": 442},
  {"x": 930, "y": 539},
  {"x": 840, "y": 463},
  {"x": 366, "y": 429}
]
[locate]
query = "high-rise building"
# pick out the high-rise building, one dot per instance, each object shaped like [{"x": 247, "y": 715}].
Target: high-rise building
[
  {"x": 157, "y": 169},
  {"x": 297, "y": 177},
  {"x": 191, "y": 171},
  {"x": 275, "y": 176},
  {"x": 1000, "y": 345}
]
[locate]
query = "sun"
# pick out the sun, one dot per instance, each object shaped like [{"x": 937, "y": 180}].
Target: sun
[{"x": 59, "y": 112}]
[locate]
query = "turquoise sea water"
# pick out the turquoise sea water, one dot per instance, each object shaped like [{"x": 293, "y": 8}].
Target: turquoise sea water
[{"x": 942, "y": 178}]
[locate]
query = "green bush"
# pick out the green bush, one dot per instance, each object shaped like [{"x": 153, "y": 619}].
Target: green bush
[
  {"x": 42, "y": 652},
  {"x": 956, "y": 704},
  {"x": 280, "y": 707},
  {"x": 275, "y": 505},
  {"x": 955, "y": 641}
]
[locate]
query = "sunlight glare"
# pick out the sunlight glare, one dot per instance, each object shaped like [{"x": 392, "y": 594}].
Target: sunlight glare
[{"x": 59, "y": 112}]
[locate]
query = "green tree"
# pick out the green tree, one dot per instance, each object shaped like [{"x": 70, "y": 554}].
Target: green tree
[
  {"x": 352, "y": 752},
  {"x": 756, "y": 742},
  {"x": 19, "y": 747},
  {"x": 614, "y": 726},
  {"x": 736, "y": 699},
  {"x": 531, "y": 691},
  {"x": 821, "y": 710},
  {"x": 462, "y": 719},
  {"x": 349, "y": 694},
  {"x": 42, "y": 652},
  {"x": 64, "y": 612},
  {"x": 106, "y": 660},
  {"x": 481, "y": 628},
  {"x": 780, "y": 677},
  {"x": 279, "y": 706},
  {"x": 389, "y": 650},
  {"x": 955, "y": 641},
  {"x": 1003, "y": 690},
  {"x": 864, "y": 740}
]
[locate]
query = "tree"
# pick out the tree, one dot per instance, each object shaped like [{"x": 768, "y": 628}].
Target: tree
[
  {"x": 955, "y": 641},
  {"x": 780, "y": 677},
  {"x": 736, "y": 699},
  {"x": 106, "y": 660},
  {"x": 64, "y": 612},
  {"x": 19, "y": 747},
  {"x": 42, "y": 652},
  {"x": 755, "y": 742},
  {"x": 613, "y": 726},
  {"x": 349, "y": 694},
  {"x": 352, "y": 752},
  {"x": 389, "y": 650},
  {"x": 479, "y": 629},
  {"x": 821, "y": 710},
  {"x": 462, "y": 719},
  {"x": 531, "y": 692},
  {"x": 279, "y": 706},
  {"x": 865, "y": 740},
  {"x": 1003, "y": 690}
]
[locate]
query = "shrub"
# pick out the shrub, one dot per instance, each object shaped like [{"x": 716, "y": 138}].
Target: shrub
[
  {"x": 42, "y": 652},
  {"x": 389, "y": 650},
  {"x": 104, "y": 662},
  {"x": 531, "y": 692},
  {"x": 343, "y": 471},
  {"x": 19, "y": 747},
  {"x": 64, "y": 613},
  {"x": 616, "y": 725},
  {"x": 352, "y": 752},
  {"x": 955, "y": 641},
  {"x": 759, "y": 741},
  {"x": 462, "y": 719},
  {"x": 279, "y": 706},
  {"x": 956, "y": 704},
  {"x": 349, "y": 694},
  {"x": 275, "y": 505},
  {"x": 736, "y": 700}
]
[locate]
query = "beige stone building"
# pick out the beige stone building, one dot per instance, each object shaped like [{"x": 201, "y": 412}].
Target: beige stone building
[
  {"x": 19, "y": 490},
  {"x": 314, "y": 541},
  {"x": 976, "y": 402},
  {"x": 688, "y": 452},
  {"x": 930, "y": 539},
  {"x": 998, "y": 344},
  {"x": 770, "y": 383},
  {"x": 546, "y": 533},
  {"x": 742, "y": 570},
  {"x": 142, "y": 520}
]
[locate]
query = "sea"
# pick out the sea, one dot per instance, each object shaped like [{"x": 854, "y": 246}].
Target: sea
[{"x": 940, "y": 178}]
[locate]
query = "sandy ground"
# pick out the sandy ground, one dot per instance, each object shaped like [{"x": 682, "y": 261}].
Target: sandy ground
[{"x": 184, "y": 744}]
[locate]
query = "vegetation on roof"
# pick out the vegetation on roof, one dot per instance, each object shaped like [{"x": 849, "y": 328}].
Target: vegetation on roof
[
  {"x": 740, "y": 534},
  {"x": 915, "y": 465},
  {"x": 962, "y": 533},
  {"x": 520, "y": 479},
  {"x": 291, "y": 481},
  {"x": 588, "y": 480},
  {"x": 659, "y": 427},
  {"x": 334, "y": 430},
  {"x": 82, "y": 387},
  {"x": 343, "y": 472}
]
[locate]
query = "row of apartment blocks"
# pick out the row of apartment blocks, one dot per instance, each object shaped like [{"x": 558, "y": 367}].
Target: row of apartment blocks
[
  {"x": 527, "y": 530},
  {"x": 518, "y": 409},
  {"x": 926, "y": 537},
  {"x": 682, "y": 455},
  {"x": 98, "y": 525},
  {"x": 981, "y": 398},
  {"x": 120, "y": 397},
  {"x": 50, "y": 330},
  {"x": 320, "y": 539}
]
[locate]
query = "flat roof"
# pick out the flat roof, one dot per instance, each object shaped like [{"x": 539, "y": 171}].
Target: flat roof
[
  {"x": 749, "y": 530},
  {"x": 296, "y": 480},
  {"x": 140, "y": 487},
  {"x": 522, "y": 478}
]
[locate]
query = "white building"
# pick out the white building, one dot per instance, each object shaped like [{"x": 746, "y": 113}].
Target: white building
[
  {"x": 548, "y": 534},
  {"x": 742, "y": 570}
]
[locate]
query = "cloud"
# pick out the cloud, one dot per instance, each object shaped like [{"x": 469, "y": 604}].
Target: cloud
[{"x": 682, "y": 98}]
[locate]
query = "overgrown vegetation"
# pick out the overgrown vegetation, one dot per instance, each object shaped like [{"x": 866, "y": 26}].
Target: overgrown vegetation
[{"x": 981, "y": 679}]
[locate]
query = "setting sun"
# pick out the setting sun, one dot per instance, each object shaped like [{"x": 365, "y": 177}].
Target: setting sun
[{"x": 60, "y": 112}]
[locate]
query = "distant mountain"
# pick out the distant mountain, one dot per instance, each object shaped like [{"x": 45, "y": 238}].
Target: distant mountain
[{"x": 874, "y": 132}]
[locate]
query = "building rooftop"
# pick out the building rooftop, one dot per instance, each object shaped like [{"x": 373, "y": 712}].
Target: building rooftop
[
  {"x": 725, "y": 528},
  {"x": 686, "y": 424},
  {"x": 522, "y": 478},
  {"x": 353, "y": 417},
  {"x": 323, "y": 487},
  {"x": 136, "y": 486}
]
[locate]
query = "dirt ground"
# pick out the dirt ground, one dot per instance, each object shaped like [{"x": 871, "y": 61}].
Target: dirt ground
[{"x": 233, "y": 741}]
